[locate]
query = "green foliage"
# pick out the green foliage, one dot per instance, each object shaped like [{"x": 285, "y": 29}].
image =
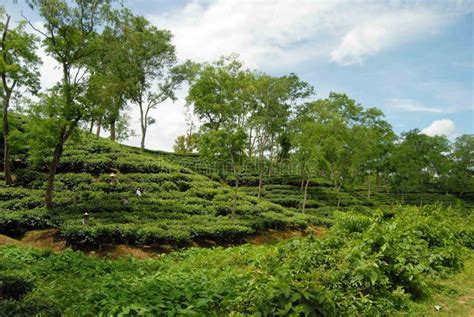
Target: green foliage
[
  {"x": 31, "y": 306},
  {"x": 374, "y": 263},
  {"x": 14, "y": 286}
]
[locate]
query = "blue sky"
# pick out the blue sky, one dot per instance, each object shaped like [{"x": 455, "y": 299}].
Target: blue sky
[{"x": 412, "y": 59}]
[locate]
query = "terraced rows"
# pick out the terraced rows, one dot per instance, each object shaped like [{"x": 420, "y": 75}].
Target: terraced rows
[{"x": 176, "y": 207}]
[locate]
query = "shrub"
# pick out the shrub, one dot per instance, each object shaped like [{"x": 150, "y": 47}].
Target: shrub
[
  {"x": 31, "y": 306},
  {"x": 14, "y": 286}
]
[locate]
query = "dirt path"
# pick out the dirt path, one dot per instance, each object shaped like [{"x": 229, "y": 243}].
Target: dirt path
[{"x": 49, "y": 239}]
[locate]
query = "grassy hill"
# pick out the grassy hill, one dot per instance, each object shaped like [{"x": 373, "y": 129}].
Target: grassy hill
[
  {"x": 177, "y": 206},
  {"x": 283, "y": 187}
]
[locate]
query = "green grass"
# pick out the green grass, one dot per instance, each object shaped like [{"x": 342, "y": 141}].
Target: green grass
[{"x": 455, "y": 294}]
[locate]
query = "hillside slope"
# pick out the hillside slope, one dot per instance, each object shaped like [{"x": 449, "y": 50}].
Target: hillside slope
[
  {"x": 283, "y": 187},
  {"x": 100, "y": 177}
]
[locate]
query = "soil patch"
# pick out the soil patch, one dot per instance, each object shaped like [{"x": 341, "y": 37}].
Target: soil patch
[
  {"x": 4, "y": 240},
  {"x": 45, "y": 239},
  {"x": 50, "y": 239}
]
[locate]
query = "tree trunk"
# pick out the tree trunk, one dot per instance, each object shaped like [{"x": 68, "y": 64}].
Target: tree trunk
[
  {"x": 270, "y": 169},
  {"x": 368, "y": 189},
  {"x": 303, "y": 176},
  {"x": 48, "y": 202},
  {"x": 97, "y": 131},
  {"x": 305, "y": 197},
  {"x": 112, "y": 130},
  {"x": 6, "y": 147},
  {"x": 338, "y": 191},
  {"x": 91, "y": 127},
  {"x": 236, "y": 188},
  {"x": 142, "y": 142},
  {"x": 260, "y": 176},
  {"x": 143, "y": 123},
  {"x": 7, "y": 92}
]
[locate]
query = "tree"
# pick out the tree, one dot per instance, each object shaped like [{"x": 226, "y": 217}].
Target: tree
[
  {"x": 185, "y": 144},
  {"x": 226, "y": 145},
  {"x": 220, "y": 94},
  {"x": 337, "y": 138},
  {"x": 18, "y": 69},
  {"x": 70, "y": 30},
  {"x": 310, "y": 128},
  {"x": 274, "y": 99},
  {"x": 110, "y": 78},
  {"x": 154, "y": 64},
  {"x": 461, "y": 171},
  {"x": 419, "y": 161}
]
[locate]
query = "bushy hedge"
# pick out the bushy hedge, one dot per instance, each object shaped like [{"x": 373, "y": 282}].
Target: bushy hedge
[
  {"x": 18, "y": 222},
  {"x": 13, "y": 289},
  {"x": 14, "y": 286}
]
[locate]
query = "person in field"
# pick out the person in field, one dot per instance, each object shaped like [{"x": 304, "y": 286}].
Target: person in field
[{"x": 85, "y": 219}]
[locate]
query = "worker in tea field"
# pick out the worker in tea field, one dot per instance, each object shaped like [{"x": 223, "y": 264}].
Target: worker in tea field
[
  {"x": 138, "y": 192},
  {"x": 85, "y": 219},
  {"x": 113, "y": 177}
]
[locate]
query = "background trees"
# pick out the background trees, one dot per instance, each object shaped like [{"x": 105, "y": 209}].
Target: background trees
[
  {"x": 461, "y": 169},
  {"x": 18, "y": 69},
  {"x": 418, "y": 161}
]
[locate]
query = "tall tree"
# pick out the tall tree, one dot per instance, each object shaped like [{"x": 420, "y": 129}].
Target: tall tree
[
  {"x": 155, "y": 77},
  {"x": 18, "y": 69},
  {"x": 219, "y": 93},
  {"x": 336, "y": 137},
  {"x": 69, "y": 31},
  {"x": 274, "y": 99},
  {"x": 110, "y": 79},
  {"x": 226, "y": 145}
]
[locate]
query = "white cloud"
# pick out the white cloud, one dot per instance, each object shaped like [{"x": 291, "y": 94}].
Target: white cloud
[
  {"x": 49, "y": 70},
  {"x": 444, "y": 127},
  {"x": 411, "y": 105},
  {"x": 385, "y": 31},
  {"x": 272, "y": 33}
]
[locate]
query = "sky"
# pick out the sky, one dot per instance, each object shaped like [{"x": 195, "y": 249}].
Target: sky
[{"x": 412, "y": 59}]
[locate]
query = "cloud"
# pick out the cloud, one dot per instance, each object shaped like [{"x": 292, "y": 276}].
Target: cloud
[
  {"x": 444, "y": 127},
  {"x": 385, "y": 31},
  {"x": 411, "y": 105},
  {"x": 261, "y": 31},
  {"x": 49, "y": 70},
  {"x": 170, "y": 123},
  {"x": 285, "y": 32}
]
